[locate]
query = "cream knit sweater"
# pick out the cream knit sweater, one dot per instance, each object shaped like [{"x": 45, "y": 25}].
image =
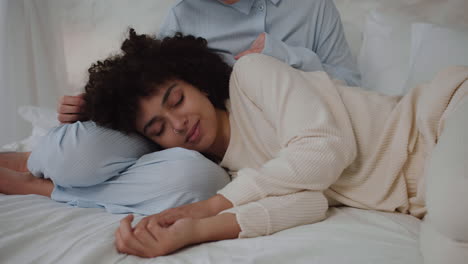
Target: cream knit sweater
[{"x": 301, "y": 142}]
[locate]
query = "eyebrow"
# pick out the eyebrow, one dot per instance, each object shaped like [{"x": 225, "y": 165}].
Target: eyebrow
[
  {"x": 167, "y": 93},
  {"x": 163, "y": 102}
]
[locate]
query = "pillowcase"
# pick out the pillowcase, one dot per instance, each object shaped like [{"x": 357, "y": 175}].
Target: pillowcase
[
  {"x": 42, "y": 120},
  {"x": 384, "y": 56},
  {"x": 434, "y": 48}
]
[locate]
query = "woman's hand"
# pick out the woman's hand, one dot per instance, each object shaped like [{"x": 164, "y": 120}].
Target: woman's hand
[
  {"x": 172, "y": 229},
  {"x": 198, "y": 210},
  {"x": 148, "y": 239},
  {"x": 70, "y": 109}
]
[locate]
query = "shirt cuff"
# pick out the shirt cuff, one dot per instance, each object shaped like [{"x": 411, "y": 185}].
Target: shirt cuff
[
  {"x": 273, "y": 48},
  {"x": 242, "y": 189},
  {"x": 253, "y": 219},
  {"x": 298, "y": 57}
]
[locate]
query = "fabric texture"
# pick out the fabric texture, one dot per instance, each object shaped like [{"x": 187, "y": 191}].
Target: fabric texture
[
  {"x": 321, "y": 141},
  {"x": 32, "y": 68},
  {"x": 311, "y": 40},
  {"x": 92, "y": 166},
  {"x": 51, "y": 232},
  {"x": 444, "y": 230}
]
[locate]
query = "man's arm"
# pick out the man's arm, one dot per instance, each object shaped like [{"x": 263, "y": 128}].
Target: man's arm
[{"x": 329, "y": 52}]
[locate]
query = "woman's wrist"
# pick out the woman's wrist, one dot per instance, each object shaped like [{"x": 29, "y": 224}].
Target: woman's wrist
[
  {"x": 219, "y": 227},
  {"x": 218, "y": 203}
]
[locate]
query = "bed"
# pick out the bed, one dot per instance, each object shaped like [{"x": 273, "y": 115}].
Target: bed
[
  {"x": 390, "y": 54},
  {"x": 35, "y": 229}
]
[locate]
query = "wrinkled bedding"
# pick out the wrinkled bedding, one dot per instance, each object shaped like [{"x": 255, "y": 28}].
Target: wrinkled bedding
[{"x": 35, "y": 229}]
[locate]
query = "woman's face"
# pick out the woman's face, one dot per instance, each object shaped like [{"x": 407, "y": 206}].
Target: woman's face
[{"x": 178, "y": 115}]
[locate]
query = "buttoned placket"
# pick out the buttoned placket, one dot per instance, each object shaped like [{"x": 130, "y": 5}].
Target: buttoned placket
[{"x": 259, "y": 9}]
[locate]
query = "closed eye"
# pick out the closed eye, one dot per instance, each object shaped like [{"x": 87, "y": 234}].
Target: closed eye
[
  {"x": 180, "y": 101},
  {"x": 158, "y": 134}
]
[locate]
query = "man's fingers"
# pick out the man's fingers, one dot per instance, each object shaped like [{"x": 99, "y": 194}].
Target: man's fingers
[
  {"x": 260, "y": 40},
  {"x": 70, "y": 118},
  {"x": 238, "y": 56},
  {"x": 256, "y": 47},
  {"x": 72, "y": 100},
  {"x": 70, "y": 109}
]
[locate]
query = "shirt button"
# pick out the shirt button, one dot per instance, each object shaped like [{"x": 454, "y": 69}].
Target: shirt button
[{"x": 261, "y": 7}]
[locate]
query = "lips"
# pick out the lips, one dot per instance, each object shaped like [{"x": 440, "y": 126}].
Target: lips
[{"x": 194, "y": 133}]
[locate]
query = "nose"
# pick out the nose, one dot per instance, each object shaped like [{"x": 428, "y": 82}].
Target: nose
[{"x": 178, "y": 123}]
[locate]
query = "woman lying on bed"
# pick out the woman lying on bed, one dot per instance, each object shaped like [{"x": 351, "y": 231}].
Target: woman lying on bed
[{"x": 295, "y": 143}]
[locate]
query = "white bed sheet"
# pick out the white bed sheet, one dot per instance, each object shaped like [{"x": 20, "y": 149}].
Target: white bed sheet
[{"x": 35, "y": 229}]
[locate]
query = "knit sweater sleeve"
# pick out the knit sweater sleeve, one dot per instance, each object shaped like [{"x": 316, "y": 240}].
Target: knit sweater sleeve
[
  {"x": 276, "y": 213},
  {"x": 311, "y": 123}
]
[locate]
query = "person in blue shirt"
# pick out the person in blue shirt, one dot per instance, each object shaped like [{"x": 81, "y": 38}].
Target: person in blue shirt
[{"x": 306, "y": 34}]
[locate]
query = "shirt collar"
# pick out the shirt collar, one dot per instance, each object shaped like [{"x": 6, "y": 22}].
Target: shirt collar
[{"x": 244, "y": 6}]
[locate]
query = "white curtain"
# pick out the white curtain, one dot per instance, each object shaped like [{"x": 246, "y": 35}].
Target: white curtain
[
  {"x": 46, "y": 47},
  {"x": 5, "y": 132},
  {"x": 32, "y": 64}
]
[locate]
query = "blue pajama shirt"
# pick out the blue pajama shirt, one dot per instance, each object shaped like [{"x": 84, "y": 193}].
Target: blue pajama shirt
[{"x": 306, "y": 34}]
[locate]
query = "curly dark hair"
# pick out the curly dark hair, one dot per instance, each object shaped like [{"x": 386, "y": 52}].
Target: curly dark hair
[{"x": 117, "y": 84}]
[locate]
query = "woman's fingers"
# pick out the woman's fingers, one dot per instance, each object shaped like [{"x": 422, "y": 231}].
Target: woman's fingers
[
  {"x": 169, "y": 216},
  {"x": 149, "y": 239},
  {"x": 126, "y": 242},
  {"x": 146, "y": 238},
  {"x": 143, "y": 222},
  {"x": 168, "y": 220}
]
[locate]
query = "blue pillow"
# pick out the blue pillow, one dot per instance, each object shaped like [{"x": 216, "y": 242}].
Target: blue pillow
[{"x": 92, "y": 166}]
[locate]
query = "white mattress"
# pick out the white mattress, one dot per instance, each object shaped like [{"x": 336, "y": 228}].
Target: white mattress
[{"x": 35, "y": 229}]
